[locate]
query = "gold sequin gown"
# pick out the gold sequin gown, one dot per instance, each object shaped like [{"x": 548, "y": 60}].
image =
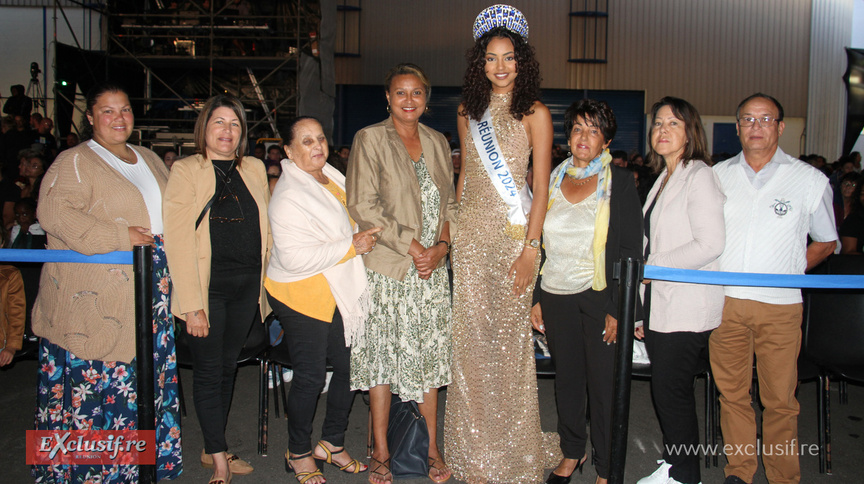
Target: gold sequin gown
[{"x": 492, "y": 422}]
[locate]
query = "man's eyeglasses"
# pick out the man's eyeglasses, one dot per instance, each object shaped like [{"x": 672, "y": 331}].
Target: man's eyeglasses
[{"x": 764, "y": 121}]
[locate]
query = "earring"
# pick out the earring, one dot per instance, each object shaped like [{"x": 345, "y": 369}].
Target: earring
[
  {"x": 388, "y": 109},
  {"x": 426, "y": 110}
]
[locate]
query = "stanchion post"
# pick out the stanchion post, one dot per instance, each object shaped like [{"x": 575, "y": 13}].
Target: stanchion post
[
  {"x": 143, "y": 272},
  {"x": 630, "y": 276}
]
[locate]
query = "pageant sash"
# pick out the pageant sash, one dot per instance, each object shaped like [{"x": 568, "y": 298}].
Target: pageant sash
[{"x": 499, "y": 172}]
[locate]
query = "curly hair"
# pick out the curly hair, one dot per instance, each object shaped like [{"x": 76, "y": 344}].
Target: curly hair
[{"x": 476, "y": 86}]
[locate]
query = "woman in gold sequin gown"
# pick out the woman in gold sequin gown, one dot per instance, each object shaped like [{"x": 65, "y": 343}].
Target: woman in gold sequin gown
[{"x": 492, "y": 423}]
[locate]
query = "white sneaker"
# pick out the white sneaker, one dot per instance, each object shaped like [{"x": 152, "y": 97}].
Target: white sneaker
[
  {"x": 673, "y": 481},
  {"x": 660, "y": 476}
]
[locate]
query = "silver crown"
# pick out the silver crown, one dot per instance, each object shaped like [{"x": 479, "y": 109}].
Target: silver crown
[{"x": 500, "y": 16}]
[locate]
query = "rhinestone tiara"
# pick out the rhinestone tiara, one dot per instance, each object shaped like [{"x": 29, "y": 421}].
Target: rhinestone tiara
[{"x": 500, "y": 16}]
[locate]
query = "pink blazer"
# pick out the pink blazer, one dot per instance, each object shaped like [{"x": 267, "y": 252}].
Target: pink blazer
[{"x": 687, "y": 232}]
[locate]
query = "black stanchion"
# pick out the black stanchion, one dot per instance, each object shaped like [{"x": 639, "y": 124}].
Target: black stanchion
[
  {"x": 143, "y": 269},
  {"x": 629, "y": 278}
]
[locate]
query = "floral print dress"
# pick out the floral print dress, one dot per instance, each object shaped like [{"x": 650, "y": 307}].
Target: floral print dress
[
  {"x": 76, "y": 394},
  {"x": 406, "y": 340}
]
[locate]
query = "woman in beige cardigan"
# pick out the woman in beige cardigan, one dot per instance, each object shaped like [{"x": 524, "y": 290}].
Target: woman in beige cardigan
[
  {"x": 216, "y": 239},
  {"x": 684, "y": 229},
  {"x": 101, "y": 196}
]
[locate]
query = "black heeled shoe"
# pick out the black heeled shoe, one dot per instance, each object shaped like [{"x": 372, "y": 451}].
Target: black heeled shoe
[{"x": 556, "y": 479}]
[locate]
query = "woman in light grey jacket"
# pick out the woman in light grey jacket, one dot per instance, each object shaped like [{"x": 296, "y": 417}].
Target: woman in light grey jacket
[{"x": 684, "y": 229}]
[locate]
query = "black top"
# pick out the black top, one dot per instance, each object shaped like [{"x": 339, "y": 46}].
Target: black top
[
  {"x": 9, "y": 191},
  {"x": 853, "y": 226},
  {"x": 235, "y": 234}
]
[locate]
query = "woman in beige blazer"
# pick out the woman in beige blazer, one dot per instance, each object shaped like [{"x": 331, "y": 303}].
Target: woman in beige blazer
[
  {"x": 684, "y": 229},
  {"x": 400, "y": 179},
  {"x": 217, "y": 237}
]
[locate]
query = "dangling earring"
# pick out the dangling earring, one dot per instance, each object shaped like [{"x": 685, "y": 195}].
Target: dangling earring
[
  {"x": 388, "y": 109},
  {"x": 426, "y": 111}
]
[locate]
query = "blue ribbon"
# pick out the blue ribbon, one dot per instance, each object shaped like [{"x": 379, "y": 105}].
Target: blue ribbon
[
  {"x": 754, "y": 280},
  {"x": 38, "y": 255}
]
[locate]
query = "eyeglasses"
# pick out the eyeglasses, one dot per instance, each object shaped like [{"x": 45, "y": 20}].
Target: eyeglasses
[
  {"x": 227, "y": 198},
  {"x": 849, "y": 184},
  {"x": 764, "y": 121}
]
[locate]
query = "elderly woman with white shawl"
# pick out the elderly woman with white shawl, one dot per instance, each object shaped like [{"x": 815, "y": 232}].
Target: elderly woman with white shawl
[{"x": 316, "y": 284}]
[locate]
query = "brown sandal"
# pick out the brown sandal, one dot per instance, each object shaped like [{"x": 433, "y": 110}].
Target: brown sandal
[
  {"x": 375, "y": 465},
  {"x": 442, "y": 468}
]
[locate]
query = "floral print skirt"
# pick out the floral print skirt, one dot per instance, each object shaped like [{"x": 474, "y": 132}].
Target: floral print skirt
[{"x": 76, "y": 394}]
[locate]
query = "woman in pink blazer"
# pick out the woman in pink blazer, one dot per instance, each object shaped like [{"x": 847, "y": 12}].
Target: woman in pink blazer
[{"x": 684, "y": 229}]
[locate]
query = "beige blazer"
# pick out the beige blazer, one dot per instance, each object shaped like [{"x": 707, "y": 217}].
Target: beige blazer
[
  {"x": 190, "y": 186},
  {"x": 383, "y": 191},
  {"x": 687, "y": 231}
]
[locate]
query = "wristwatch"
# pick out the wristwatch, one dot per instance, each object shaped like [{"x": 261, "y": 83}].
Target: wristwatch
[{"x": 532, "y": 243}]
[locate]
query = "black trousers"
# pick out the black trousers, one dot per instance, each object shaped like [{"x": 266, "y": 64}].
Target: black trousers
[
  {"x": 233, "y": 305},
  {"x": 312, "y": 344},
  {"x": 583, "y": 363},
  {"x": 676, "y": 359}
]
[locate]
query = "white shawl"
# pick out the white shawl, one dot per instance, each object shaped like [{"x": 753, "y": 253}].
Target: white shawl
[{"x": 311, "y": 234}]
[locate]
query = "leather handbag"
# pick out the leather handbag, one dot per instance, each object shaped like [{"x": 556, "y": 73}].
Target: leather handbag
[{"x": 408, "y": 440}]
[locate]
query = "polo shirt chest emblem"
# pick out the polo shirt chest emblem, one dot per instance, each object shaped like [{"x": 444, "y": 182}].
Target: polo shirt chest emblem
[{"x": 781, "y": 207}]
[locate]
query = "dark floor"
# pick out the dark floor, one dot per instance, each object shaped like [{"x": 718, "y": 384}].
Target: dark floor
[{"x": 17, "y": 397}]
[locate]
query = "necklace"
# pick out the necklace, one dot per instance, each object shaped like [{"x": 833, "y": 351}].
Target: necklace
[
  {"x": 128, "y": 161},
  {"x": 579, "y": 183}
]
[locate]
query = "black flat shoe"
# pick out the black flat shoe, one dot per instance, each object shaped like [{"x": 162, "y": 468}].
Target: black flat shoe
[{"x": 556, "y": 479}]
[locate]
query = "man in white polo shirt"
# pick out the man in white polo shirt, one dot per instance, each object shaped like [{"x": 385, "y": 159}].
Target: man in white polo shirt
[{"x": 773, "y": 201}]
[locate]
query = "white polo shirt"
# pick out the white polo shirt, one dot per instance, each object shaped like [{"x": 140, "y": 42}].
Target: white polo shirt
[{"x": 768, "y": 217}]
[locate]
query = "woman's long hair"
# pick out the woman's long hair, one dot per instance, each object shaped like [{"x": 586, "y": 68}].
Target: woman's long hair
[
  {"x": 476, "y": 86},
  {"x": 697, "y": 142}
]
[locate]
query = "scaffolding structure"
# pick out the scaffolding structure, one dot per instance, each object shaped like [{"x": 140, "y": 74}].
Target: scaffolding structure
[{"x": 178, "y": 54}]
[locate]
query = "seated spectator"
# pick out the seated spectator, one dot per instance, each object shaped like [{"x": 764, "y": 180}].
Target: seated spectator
[
  {"x": 9, "y": 194},
  {"x": 260, "y": 151},
  {"x": 72, "y": 140},
  {"x": 343, "y": 154},
  {"x": 274, "y": 155},
  {"x": 273, "y": 174},
  {"x": 843, "y": 207},
  {"x": 26, "y": 233},
  {"x": 852, "y": 230},
  {"x": 35, "y": 120},
  {"x": 619, "y": 158},
  {"x": 12, "y": 313},
  {"x": 31, "y": 169},
  {"x": 169, "y": 157},
  {"x": 46, "y": 139},
  {"x": 846, "y": 166},
  {"x": 18, "y": 138}
]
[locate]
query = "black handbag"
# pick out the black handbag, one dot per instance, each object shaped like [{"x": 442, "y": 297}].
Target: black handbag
[{"x": 408, "y": 440}]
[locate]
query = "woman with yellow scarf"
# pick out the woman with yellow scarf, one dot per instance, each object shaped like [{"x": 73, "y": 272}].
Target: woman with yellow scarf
[{"x": 594, "y": 219}]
